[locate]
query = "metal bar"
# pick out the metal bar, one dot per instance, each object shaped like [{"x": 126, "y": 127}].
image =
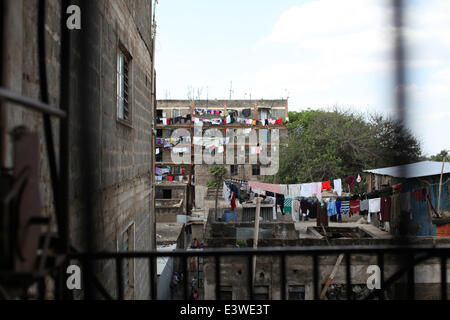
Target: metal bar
[
  {"x": 348, "y": 275},
  {"x": 185, "y": 278},
  {"x": 250, "y": 276},
  {"x": 64, "y": 97},
  {"x": 283, "y": 276},
  {"x": 217, "y": 268},
  {"x": 316, "y": 276},
  {"x": 275, "y": 251},
  {"x": 444, "y": 278},
  {"x": 119, "y": 278},
  {"x": 3, "y": 111},
  {"x": 381, "y": 266},
  {"x": 410, "y": 277},
  {"x": 152, "y": 287},
  {"x": 11, "y": 96}
]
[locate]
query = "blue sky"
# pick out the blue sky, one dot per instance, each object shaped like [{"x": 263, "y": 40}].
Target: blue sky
[{"x": 319, "y": 53}]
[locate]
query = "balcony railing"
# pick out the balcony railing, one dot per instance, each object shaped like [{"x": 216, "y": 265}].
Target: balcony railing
[{"x": 412, "y": 255}]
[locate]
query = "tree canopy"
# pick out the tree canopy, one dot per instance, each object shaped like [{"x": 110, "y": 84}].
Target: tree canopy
[{"x": 325, "y": 145}]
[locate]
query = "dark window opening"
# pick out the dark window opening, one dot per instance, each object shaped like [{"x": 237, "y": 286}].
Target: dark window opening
[
  {"x": 296, "y": 293},
  {"x": 167, "y": 194},
  {"x": 261, "y": 293},
  {"x": 226, "y": 293},
  {"x": 256, "y": 170}
]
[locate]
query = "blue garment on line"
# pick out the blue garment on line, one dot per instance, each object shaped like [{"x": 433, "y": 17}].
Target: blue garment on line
[
  {"x": 338, "y": 209},
  {"x": 331, "y": 209}
]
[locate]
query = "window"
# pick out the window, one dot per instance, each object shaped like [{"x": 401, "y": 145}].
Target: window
[
  {"x": 256, "y": 170},
  {"x": 234, "y": 170},
  {"x": 296, "y": 293},
  {"x": 175, "y": 113},
  {"x": 226, "y": 293},
  {"x": 159, "y": 133},
  {"x": 261, "y": 293},
  {"x": 167, "y": 194},
  {"x": 123, "y": 85},
  {"x": 126, "y": 244}
]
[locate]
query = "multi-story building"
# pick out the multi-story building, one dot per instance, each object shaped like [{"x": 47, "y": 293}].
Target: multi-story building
[
  {"x": 98, "y": 79},
  {"x": 204, "y": 127}
]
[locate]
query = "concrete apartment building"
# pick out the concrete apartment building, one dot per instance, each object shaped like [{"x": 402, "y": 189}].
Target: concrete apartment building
[
  {"x": 110, "y": 84},
  {"x": 182, "y": 114}
]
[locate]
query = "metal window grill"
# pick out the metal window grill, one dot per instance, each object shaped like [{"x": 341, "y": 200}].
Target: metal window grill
[{"x": 414, "y": 254}]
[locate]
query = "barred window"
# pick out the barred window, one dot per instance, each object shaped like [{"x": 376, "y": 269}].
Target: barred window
[
  {"x": 126, "y": 244},
  {"x": 123, "y": 85}
]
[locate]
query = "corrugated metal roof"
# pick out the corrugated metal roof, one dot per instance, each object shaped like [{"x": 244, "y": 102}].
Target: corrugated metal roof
[{"x": 413, "y": 170}]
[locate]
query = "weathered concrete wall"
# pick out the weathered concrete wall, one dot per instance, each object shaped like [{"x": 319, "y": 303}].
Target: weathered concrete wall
[
  {"x": 299, "y": 272},
  {"x": 121, "y": 154}
]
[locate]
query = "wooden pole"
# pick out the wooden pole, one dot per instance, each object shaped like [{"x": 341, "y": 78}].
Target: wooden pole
[
  {"x": 440, "y": 184},
  {"x": 331, "y": 277},
  {"x": 256, "y": 233}
]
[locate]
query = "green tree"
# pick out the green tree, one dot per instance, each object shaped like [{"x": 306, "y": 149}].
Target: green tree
[
  {"x": 440, "y": 156},
  {"x": 324, "y": 145},
  {"x": 218, "y": 173}
]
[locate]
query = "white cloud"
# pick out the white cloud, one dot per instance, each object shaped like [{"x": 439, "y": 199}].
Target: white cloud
[{"x": 343, "y": 54}]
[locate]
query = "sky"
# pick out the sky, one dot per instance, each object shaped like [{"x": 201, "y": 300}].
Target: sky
[{"x": 317, "y": 53}]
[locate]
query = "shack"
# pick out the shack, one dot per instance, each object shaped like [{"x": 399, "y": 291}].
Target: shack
[{"x": 429, "y": 188}]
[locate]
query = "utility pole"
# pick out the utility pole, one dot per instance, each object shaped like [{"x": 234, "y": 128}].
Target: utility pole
[
  {"x": 231, "y": 88},
  {"x": 440, "y": 182},
  {"x": 256, "y": 234}
]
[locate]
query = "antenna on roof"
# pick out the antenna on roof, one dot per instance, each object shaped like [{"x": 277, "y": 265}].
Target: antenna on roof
[{"x": 231, "y": 89}]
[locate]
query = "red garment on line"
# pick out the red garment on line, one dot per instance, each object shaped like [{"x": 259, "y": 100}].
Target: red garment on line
[
  {"x": 233, "y": 202},
  {"x": 385, "y": 208},
  {"x": 351, "y": 181},
  {"x": 279, "y": 121},
  {"x": 326, "y": 186},
  {"x": 355, "y": 206},
  {"x": 170, "y": 178}
]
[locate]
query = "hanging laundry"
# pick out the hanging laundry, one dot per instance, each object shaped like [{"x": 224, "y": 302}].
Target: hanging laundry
[
  {"x": 326, "y": 186},
  {"x": 306, "y": 190},
  {"x": 338, "y": 210},
  {"x": 296, "y": 210},
  {"x": 364, "y": 206},
  {"x": 331, "y": 208},
  {"x": 288, "y": 204},
  {"x": 322, "y": 216},
  {"x": 233, "y": 202},
  {"x": 359, "y": 178},
  {"x": 351, "y": 181},
  {"x": 345, "y": 207},
  {"x": 284, "y": 189},
  {"x": 337, "y": 183},
  {"x": 385, "y": 209},
  {"x": 280, "y": 202},
  {"x": 355, "y": 206},
  {"x": 246, "y": 112},
  {"x": 317, "y": 190},
  {"x": 294, "y": 190},
  {"x": 226, "y": 193},
  {"x": 374, "y": 205}
]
